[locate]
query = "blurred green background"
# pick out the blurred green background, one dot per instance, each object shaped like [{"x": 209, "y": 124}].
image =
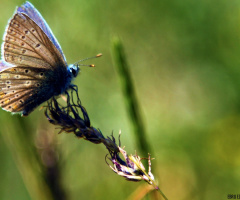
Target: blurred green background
[{"x": 185, "y": 63}]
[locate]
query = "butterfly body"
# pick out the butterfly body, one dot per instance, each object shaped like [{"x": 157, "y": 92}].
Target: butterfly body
[{"x": 33, "y": 67}]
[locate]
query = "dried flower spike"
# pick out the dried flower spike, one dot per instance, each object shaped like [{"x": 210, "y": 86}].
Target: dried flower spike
[
  {"x": 74, "y": 118},
  {"x": 132, "y": 168}
]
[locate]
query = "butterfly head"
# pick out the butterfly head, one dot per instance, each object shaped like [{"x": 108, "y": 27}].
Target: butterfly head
[{"x": 73, "y": 69}]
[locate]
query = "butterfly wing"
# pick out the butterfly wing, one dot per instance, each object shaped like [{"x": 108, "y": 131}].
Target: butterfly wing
[
  {"x": 20, "y": 88},
  {"x": 4, "y": 65},
  {"x": 26, "y": 44},
  {"x": 32, "y": 67},
  {"x": 33, "y": 13}
]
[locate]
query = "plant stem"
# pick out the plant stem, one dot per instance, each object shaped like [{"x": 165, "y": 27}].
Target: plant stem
[{"x": 130, "y": 95}]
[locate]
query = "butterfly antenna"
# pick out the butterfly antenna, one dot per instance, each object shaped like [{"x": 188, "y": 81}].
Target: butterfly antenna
[{"x": 92, "y": 65}]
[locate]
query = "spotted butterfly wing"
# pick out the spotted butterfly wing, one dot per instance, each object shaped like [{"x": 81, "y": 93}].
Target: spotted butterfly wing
[
  {"x": 30, "y": 11},
  {"x": 33, "y": 68}
]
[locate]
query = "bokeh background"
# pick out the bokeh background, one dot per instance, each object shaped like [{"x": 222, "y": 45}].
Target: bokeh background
[{"x": 185, "y": 64}]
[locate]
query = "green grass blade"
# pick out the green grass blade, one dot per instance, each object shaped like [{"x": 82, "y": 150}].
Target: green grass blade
[{"x": 129, "y": 95}]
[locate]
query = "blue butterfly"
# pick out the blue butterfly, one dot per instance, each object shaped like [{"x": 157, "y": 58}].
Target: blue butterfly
[{"x": 33, "y": 67}]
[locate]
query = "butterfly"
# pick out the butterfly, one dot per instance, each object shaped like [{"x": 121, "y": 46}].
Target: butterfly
[{"x": 33, "y": 67}]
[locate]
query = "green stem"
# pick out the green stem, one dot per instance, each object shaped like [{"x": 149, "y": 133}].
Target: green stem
[{"x": 130, "y": 95}]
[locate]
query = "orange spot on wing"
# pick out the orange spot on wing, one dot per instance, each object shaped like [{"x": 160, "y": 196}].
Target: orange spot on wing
[
  {"x": 14, "y": 107},
  {"x": 4, "y": 76},
  {"x": 6, "y": 101},
  {"x": 2, "y": 94}
]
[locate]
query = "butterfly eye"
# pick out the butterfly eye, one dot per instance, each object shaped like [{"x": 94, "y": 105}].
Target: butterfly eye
[
  {"x": 74, "y": 72},
  {"x": 73, "y": 69}
]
